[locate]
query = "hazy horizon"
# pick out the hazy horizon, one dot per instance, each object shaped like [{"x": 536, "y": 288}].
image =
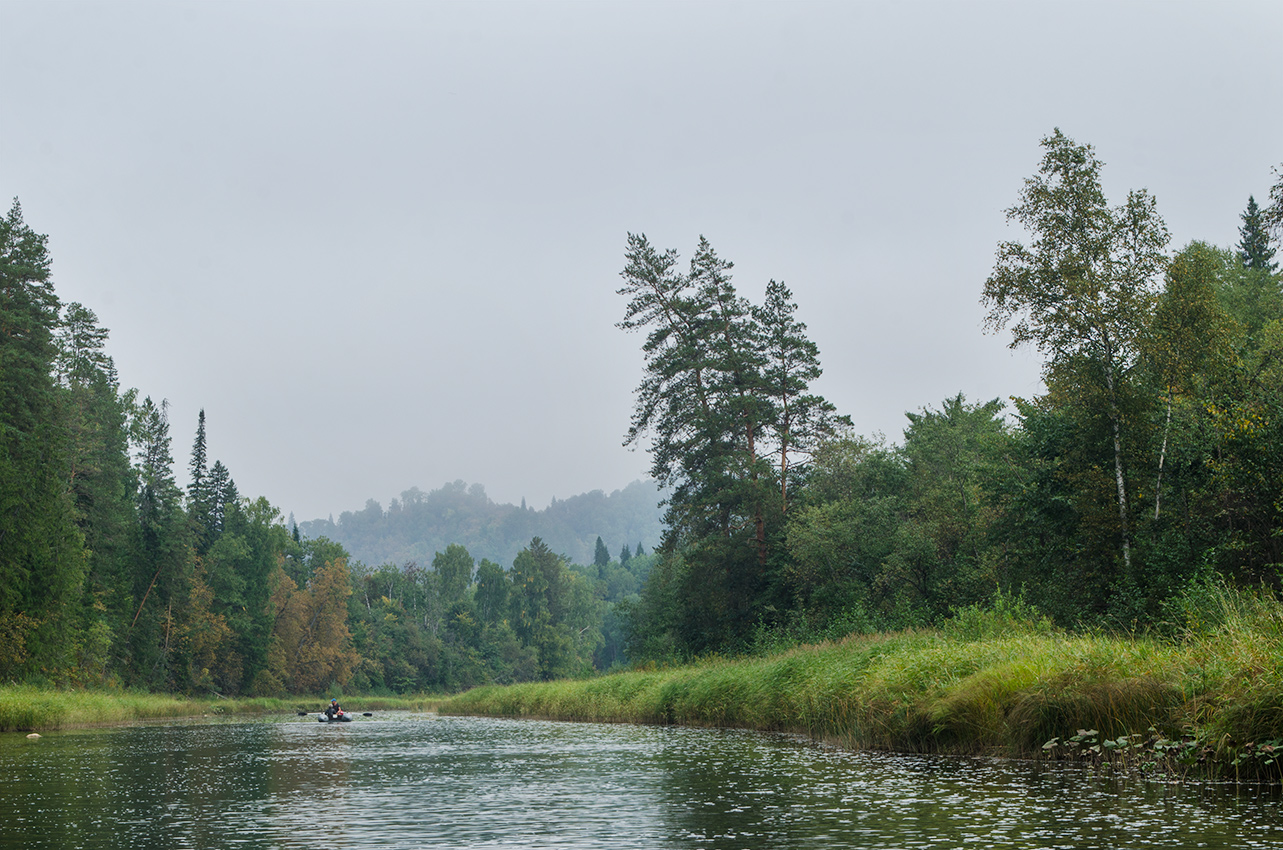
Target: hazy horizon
[{"x": 386, "y": 503}]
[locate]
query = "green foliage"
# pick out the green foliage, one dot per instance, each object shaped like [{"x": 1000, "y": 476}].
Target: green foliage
[
  {"x": 42, "y": 555},
  {"x": 453, "y": 570},
  {"x": 93, "y": 413},
  {"x": 1140, "y": 492},
  {"x": 198, "y": 495},
  {"x": 1251, "y": 297},
  {"x": 1006, "y": 615},
  {"x": 161, "y": 570},
  {"x": 553, "y": 612},
  {"x": 1254, "y": 248},
  {"x": 1083, "y": 289},
  {"x": 725, "y": 406}
]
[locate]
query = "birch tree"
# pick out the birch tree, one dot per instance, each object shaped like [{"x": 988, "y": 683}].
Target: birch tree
[{"x": 1084, "y": 286}]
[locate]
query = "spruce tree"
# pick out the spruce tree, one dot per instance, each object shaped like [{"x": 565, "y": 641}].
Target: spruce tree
[
  {"x": 42, "y": 558},
  {"x": 161, "y": 572},
  {"x": 94, "y": 414},
  {"x": 218, "y": 486},
  {"x": 1254, "y": 248},
  {"x": 199, "y": 498}
]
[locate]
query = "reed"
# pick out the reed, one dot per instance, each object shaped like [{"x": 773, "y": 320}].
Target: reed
[{"x": 26, "y": 709}]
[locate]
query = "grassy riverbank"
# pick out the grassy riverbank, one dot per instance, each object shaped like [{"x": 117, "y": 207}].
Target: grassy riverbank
[
  {"x": 28, "y": 709},
  {"x": 989, "y": 682}
]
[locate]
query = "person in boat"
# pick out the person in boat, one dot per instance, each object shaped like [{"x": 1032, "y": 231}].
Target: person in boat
[{"x": 333, "y": 710}]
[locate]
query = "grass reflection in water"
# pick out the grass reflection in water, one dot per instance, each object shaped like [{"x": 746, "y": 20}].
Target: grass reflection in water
[{"x": 421, "y": 781}]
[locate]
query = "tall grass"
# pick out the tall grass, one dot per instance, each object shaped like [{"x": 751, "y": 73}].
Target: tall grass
[
  {"x": 1000, "y": 680},
  {"x": 25, "y": 709}
]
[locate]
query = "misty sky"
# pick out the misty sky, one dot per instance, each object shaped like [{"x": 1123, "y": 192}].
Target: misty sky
[{"x": 379, "y": 243}]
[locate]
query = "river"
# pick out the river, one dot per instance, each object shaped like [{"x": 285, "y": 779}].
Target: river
[{"x": 410, "y": 781}]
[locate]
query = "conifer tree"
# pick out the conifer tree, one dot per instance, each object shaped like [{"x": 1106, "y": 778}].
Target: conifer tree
[
  {"x": 161, "y": 571},
  {"x": 198, "y": 501},
  {"x": 218, "y": 487},
  {"x": 42, "y": 559},
  {"x": 799, "y": 420},
  {"x": 723, "y": 391},
  {"x": 1254, "y": 248},
  {"x": 93, "y": 415}
]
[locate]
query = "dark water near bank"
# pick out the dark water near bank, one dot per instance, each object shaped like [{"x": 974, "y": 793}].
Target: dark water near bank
[{"x": 421, "y": 781}]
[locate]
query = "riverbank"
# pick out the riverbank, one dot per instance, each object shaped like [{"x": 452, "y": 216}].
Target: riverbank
[
  {"x": 987, "y": 683},
  {"x": 27, "y": 709}
]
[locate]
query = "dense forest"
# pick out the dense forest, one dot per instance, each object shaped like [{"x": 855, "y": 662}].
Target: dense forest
[
  {"x": 1152, "y": 460},
  {"x": 418, "y": 525}
]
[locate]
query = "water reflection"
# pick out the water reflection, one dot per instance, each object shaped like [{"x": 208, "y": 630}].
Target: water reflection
[{"x": 421, "y": 781}]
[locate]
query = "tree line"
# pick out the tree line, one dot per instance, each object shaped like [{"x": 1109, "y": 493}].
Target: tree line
[
  {"x": 1152, "y": 460},
  {"x": 417, "y": 525},
  {"x": 112, "y": 575}
]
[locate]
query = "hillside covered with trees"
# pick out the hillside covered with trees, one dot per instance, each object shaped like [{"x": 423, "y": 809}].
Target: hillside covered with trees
[
  {"x": 418, "y": 525},
  {"x": 1152, "y": 461}
]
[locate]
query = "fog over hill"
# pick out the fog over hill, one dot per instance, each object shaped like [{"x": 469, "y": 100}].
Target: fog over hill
[{"x": 418, "y": 525}]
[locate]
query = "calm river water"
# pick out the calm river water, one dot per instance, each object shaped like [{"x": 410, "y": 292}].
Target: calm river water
[{"x": 423, "y": 781}]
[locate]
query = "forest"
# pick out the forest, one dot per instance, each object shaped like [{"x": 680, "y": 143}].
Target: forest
[
  {"x": 417, "y": 525},
  {"x": 1151, "y": 462}
]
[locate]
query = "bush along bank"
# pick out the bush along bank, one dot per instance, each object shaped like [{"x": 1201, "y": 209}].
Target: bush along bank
[{"x": 1207, "y": 701}]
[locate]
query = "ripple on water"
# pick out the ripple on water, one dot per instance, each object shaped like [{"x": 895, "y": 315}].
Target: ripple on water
[{"x": 421, "y": 781}]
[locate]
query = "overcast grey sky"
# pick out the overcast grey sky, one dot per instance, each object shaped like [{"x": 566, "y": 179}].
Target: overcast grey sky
[{"x": 379, "y": 243}]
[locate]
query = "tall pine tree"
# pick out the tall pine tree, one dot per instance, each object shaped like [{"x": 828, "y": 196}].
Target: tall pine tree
[{"x": 724, "y": 394}]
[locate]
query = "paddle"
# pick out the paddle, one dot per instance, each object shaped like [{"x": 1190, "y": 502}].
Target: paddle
[{"x": 363, "y": 714}]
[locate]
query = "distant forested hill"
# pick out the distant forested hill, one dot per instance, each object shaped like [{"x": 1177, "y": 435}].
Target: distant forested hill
[{"x": 418, "y": 525}]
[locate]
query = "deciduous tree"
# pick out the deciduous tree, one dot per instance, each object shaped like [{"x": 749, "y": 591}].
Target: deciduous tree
[{"x": 1083, "y": 288}]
